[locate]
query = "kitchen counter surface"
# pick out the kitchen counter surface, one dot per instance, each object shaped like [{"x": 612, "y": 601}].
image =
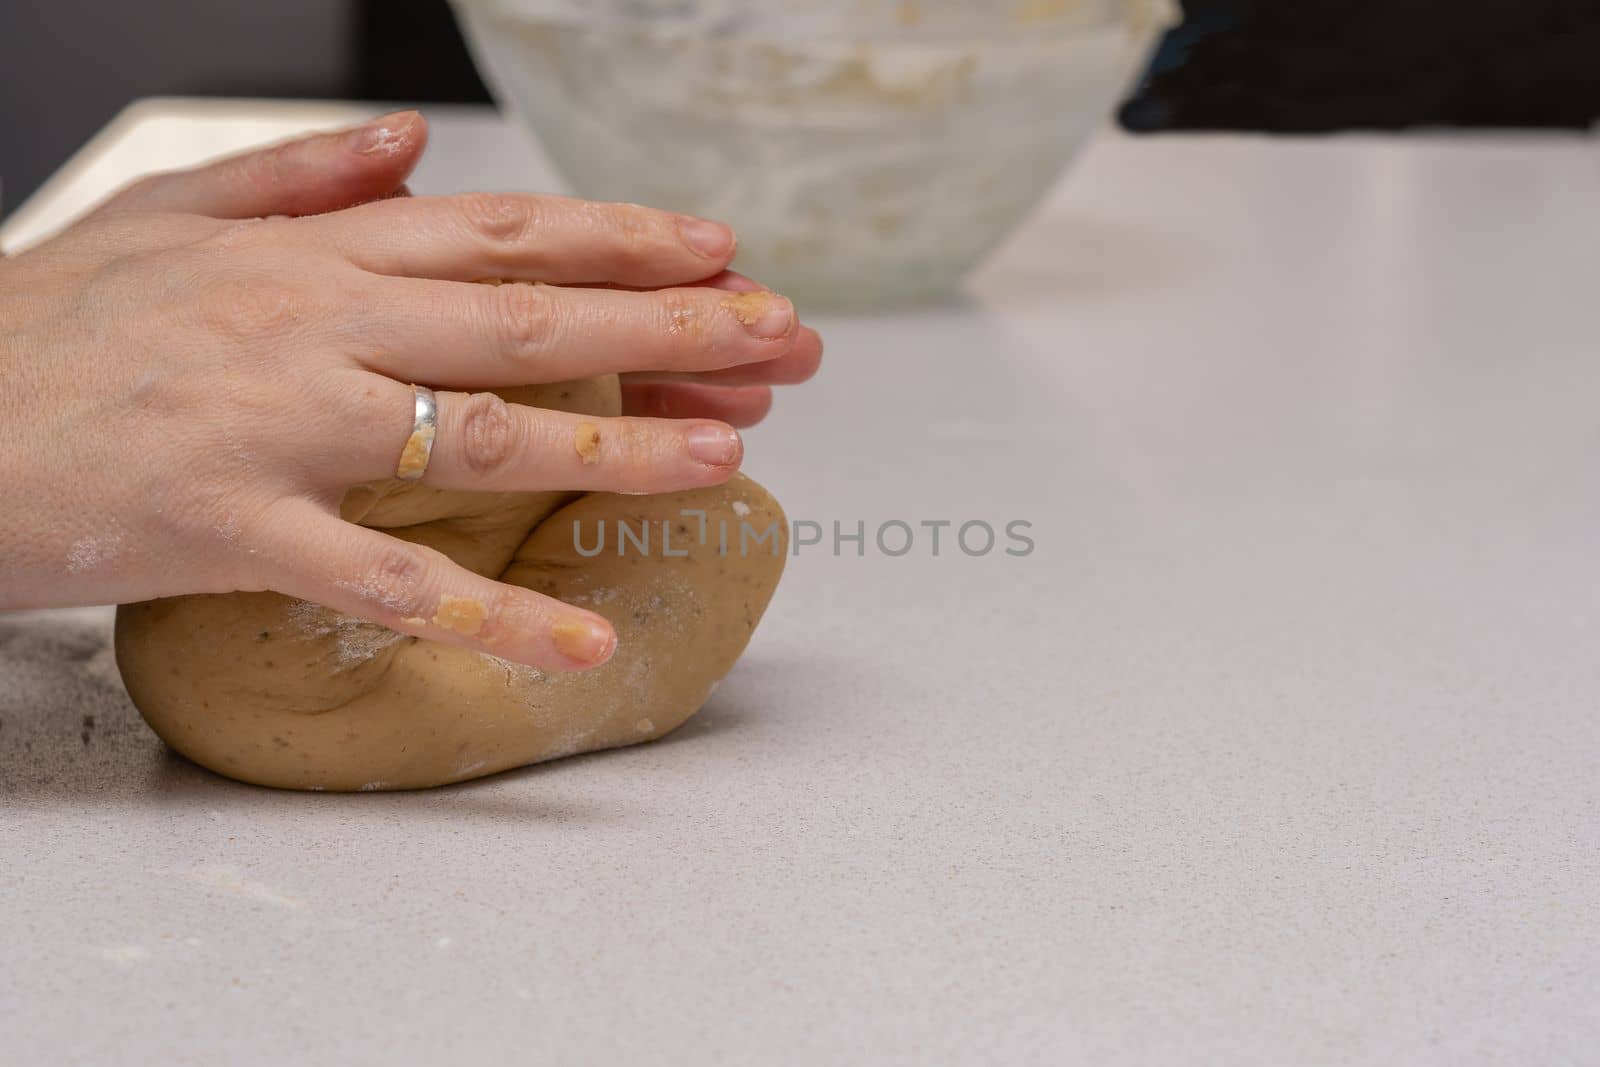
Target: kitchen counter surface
[{"x": 1281, "y": 746}]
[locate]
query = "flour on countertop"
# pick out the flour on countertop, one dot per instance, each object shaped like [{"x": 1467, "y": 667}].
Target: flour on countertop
[
  {"x": 228, "y": 879},
  {"x": 124, "y": 955}
]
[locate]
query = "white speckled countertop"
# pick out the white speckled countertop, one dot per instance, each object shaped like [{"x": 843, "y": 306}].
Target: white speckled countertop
[{"x": 1283, "y": 747}]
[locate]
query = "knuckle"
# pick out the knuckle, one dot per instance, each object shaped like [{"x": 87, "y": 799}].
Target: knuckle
[
  {"x": 394, "y": 579},
  {"x": 510, "y": 614},
  {"x": 647, "y": 445},
  {"x": 245, "y": 309},
  {"x": 638, "y": 232},
  {"x": 684, "y": 317},
  {"x": 499, "y": 219},
  {"x": 634, "y": 447},
  {"x": 488, "y": 434},
  {"x": 527, "y": 318}
]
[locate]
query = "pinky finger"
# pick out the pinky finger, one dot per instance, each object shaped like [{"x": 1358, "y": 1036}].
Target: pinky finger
[
  {"x": 736, "y": 405},
  {"x": 420, "y": 592}
]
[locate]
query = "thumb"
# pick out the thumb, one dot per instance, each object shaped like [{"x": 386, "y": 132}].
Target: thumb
[
  {"x": 420, "y": 592},
  {"x": 307, "y": 176}
]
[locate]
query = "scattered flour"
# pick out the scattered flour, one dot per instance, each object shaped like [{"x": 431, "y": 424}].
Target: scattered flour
[
  {"x": 680, "y": 318},
  {"x": 124, "y": 955},
  {"x": 354, "y": 641},
  {"x": 463, "y": 771},
  {"x": 603, "y": 595},
  {"x": 516, "y": 673},
  {"x": 87, "y": 553},
  {"x": 226, "y": 879},
  {"x": 374, "y": 592},
  {"x": 384, "y": 141},
  {"x": 229, "y": 530}
]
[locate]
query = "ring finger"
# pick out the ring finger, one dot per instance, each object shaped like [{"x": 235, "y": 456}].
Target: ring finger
[{"x": 483, "y": 443}]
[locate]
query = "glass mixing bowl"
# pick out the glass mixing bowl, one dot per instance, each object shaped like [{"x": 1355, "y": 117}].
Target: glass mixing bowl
[{"x": 869, "y": 152}]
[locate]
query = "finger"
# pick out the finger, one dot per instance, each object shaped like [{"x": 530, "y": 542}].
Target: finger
[
  {"x": 728, "y": 281},
  {"x": 793, "y": 367},
  {"x": 796, "y": 365},
  {"x": 307, "y": 176},
  {"x": 734, "y": 282},
  {"x": 739, "y": 406},
  {"x": 420, "y": 592},
  {"x": 530, "y": 238},
  {"x": 482, "y": 443},
  {"x": 474, "y": 336}
]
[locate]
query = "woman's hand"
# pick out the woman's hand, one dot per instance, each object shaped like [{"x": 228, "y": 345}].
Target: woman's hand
[{"x": 192, "y": 376}]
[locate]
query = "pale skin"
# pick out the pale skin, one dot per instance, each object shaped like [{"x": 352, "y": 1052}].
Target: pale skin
[{"x": 193, "y": 375}]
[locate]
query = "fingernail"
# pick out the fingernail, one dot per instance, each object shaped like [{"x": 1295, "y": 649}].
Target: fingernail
[
  {"x": 715, "y": 446},
  {"x": 766, "y": 315},
  {"x": 584, "y": 642},
  {"x": 711, "y": 239},
  {"x": 384, "y": 135}
]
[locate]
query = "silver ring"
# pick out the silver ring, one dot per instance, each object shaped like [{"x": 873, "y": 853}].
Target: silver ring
[{"x": 419, "y": 447}]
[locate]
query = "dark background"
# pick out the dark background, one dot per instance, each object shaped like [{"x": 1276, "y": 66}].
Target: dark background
[
  {"x": 68, "y": 66},
  {"x": 1298, "y": 66}
]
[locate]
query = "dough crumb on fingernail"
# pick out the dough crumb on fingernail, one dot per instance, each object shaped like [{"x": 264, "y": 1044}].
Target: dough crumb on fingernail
[
  {"x": 415, "y": 620},
  {"x": 587, "y": 442},
  {"x": 763, "y": 314},
  {"x": 461, "y": 615},
  {"x": 748, "y": 307},
  {"x": 579, "y": 641}
]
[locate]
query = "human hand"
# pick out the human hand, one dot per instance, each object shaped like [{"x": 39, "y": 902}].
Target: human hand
[{"x": 190, "y": 379}]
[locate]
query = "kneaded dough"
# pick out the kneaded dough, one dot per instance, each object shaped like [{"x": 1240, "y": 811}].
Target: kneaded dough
[{"x": 280, "y": 692}]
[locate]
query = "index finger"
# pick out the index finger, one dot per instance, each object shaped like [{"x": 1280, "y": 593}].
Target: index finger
[{"x": 305, "y": 176}]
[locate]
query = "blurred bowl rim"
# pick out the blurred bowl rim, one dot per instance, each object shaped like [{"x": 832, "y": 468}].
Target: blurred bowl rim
[{"x": 1033, "y": 18}]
